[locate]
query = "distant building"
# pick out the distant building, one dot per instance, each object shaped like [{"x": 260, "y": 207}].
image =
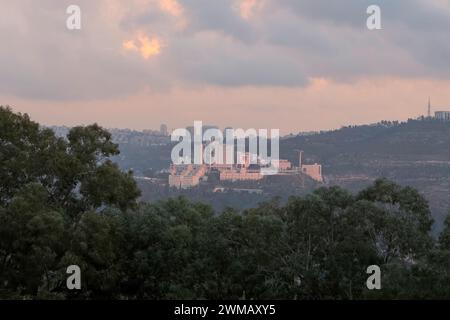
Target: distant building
[
  {"x": 163, "y": 130},
  {"x": 314, "y": 171},
  {"x": 438, "y": 115},
  {"x": 240, "y": 175},
  {"x": 442, "y": 115},
  {"x": 186, "y": 176},
  {"x": 282, "y": 164}
]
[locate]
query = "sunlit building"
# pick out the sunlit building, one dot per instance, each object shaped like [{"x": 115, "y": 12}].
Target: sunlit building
[
  {"x": 240, "y": 174},
  {"x": 314, "y": 171},
  {"x": 282, "y": 164},
  {"x": 186, "y": 176}
]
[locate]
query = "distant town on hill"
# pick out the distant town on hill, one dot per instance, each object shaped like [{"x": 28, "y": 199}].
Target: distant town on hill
[{"x": 414, "y": 153}]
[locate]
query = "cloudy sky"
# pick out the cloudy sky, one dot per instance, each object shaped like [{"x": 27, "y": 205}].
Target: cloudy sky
[{"x": 297, "y": 65}]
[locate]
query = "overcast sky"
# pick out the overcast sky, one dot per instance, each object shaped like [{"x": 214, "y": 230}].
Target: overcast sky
[{"x": 297, "y": 65}]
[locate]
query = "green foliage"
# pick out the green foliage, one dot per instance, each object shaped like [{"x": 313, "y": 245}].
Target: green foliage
[
  {"x": 52, "y": 195},
  {"x": 31, "y": 240},
  {"x": 63, "y": 202}
]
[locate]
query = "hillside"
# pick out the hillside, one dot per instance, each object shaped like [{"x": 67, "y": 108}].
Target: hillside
[{"x": 415, "y": 153}]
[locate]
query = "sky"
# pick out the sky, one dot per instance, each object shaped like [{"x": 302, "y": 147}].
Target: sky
[{"x": 294, "y": 65}]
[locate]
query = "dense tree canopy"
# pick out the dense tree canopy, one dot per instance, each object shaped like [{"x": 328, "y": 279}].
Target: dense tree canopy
[
  {"x": 53, "y": 195},
  {"x": 62, "y": 202}
]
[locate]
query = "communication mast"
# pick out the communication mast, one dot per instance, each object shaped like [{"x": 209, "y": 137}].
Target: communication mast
[{"x": 429, "y": 107}]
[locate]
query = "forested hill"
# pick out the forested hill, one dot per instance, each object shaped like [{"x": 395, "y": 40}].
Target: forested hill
[
  {"x": 414, "y": 153},
  {"x": 425, "y": 139},
  {"x": 63, "y": 203}
]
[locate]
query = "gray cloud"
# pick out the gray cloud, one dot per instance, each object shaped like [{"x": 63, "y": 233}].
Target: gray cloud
[{"x": 284, "y": 44}]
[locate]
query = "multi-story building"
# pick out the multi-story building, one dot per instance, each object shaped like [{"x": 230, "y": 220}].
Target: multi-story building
[
  {"x": 240, "y": 174},
  {"x": 442, "y": 115},
  {"x": 186, "y": 176}
]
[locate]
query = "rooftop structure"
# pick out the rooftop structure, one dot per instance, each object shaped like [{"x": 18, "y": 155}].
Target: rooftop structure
[
  {"x": 314, "y": 171},
  {"x": 442, "y": 115},
  {"x": 186, "y": 176},
  {"x": 439, "y": 115}
]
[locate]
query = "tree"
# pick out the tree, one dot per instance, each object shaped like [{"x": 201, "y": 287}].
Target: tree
[
  {"x": 31, "y": 234},
  {"x": 52, "y": 195},
  {"x": 403, "y": 220},
  {"x": 75, "y": 171},
  {"x": 64, "y": 202}
]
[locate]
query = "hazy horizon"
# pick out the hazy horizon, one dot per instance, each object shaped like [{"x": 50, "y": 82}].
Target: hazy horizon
[
  {"x": 157, "y": 128},
  {"x": 293, "y": 65}
]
